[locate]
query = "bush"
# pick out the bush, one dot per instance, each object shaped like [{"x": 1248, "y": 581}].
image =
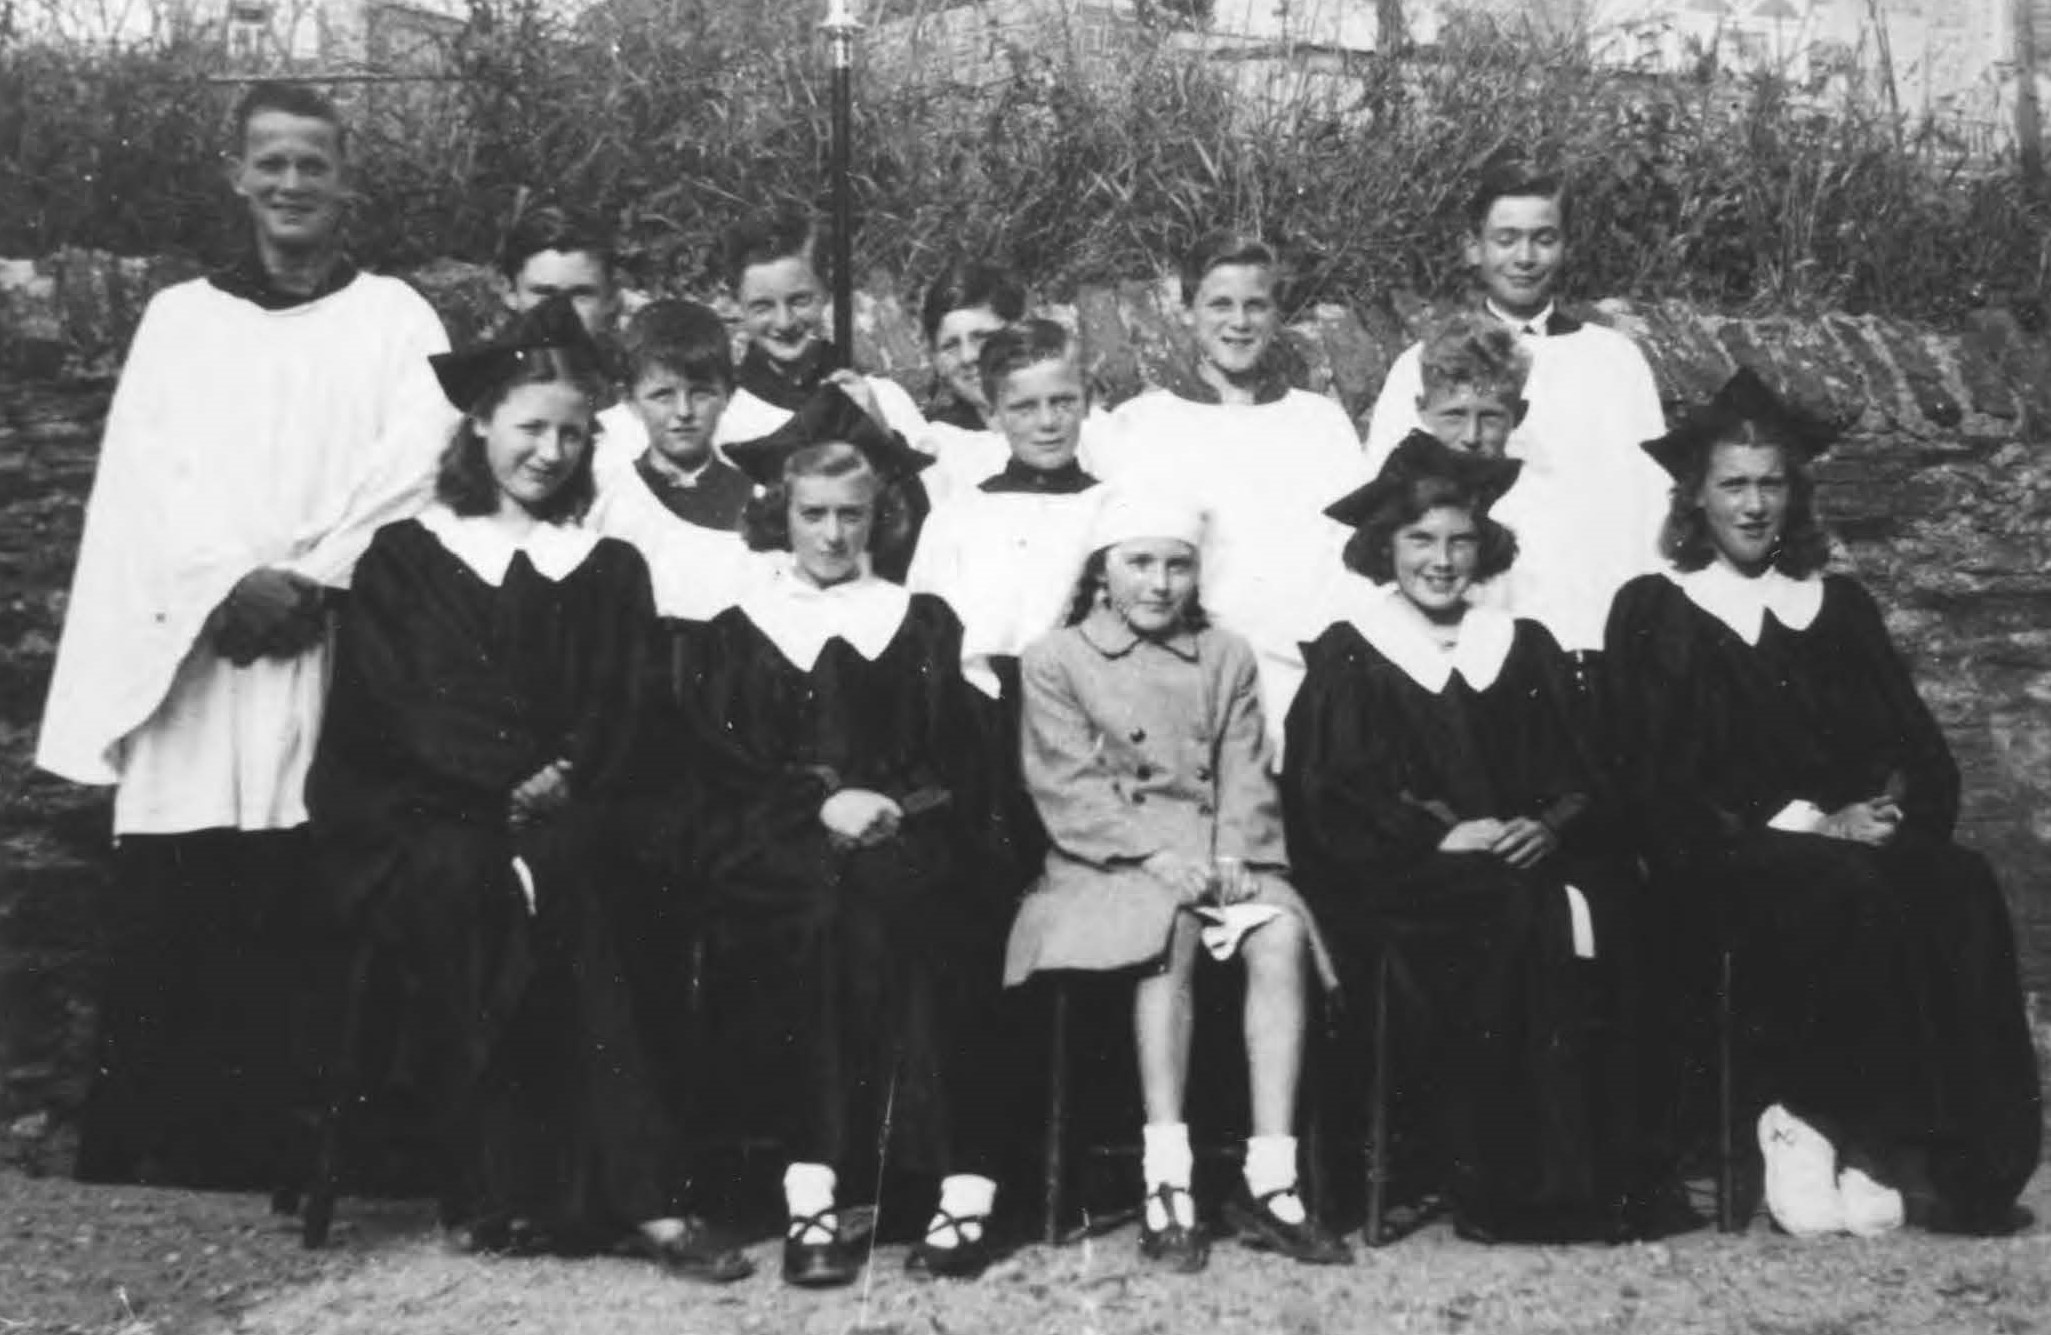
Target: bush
[{"x": 673, "y": 120}]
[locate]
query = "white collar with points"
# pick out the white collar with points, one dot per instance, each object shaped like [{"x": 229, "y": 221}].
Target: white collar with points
[
  {"x": 799, "y": 617},
  {"x": 1391, "y": 623},
  {"x": 487, "y": 548},
  {"x": 1535, "y": 326},
  {"x": 1742, "y": 602}
]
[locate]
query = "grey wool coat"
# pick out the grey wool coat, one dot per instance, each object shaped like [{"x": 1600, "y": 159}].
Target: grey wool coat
[{"x": 1133, "y": 746}]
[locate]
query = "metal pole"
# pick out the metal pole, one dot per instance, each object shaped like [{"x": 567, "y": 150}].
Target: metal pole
[
  {"x": 2029, "y": 123},
  {"x": 840, "y": 28}
]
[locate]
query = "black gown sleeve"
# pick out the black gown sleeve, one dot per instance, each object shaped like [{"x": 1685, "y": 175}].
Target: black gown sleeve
[
  {"x": 1929, "y": 778},
  {"x": 1345, "y": 811},
  {"x": 419, "y": 707}
]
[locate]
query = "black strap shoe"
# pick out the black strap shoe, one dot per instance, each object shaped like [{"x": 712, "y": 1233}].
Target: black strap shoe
[
  {"x": 1185, "y": 1249},
  {"x": 968, "y": 1258},
  {"x": 818, "y": 1265},
  {"x": 1259, "y": 1227}
]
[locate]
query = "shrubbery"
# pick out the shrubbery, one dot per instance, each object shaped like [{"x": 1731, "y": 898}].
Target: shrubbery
[{"x": 1718, "y": 192}]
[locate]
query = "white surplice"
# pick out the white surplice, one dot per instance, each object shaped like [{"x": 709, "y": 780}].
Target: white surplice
[
  {"x": 1588, "y": 507},
  {"x": 238, "y": 438}
]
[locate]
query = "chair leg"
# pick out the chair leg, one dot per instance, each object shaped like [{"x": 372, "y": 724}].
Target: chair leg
[
  {"x": 324, "y": 1181},
  {"x": 1378, "y": 1111},
  {"x": 1727, "y": 1219},
  {"x": 1056, "y": 1164}
]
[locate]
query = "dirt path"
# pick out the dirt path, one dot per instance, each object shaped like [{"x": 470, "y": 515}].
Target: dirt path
[{"x": 126, "y": 1261}]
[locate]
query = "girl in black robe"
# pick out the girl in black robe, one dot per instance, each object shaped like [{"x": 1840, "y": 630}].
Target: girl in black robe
[
  {"x": 476, "y": 770},
  {"x": 1797, "y": 802},
  {"x": 1442, "y": 810},
  {"x": 854, "y": 935}
]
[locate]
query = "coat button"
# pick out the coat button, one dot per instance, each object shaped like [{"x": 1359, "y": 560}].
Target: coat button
[
  {"x": 1139, "y": 799},
  {"x": 1203, "y": 773},
  {"x": 1204, "y": 809},
  {"x": 1144, "y": 772},
  {"x": 1136, "y": 735}
]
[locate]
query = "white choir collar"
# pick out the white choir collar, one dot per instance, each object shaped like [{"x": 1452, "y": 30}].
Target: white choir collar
[
  {"x": 1742, "y": 603},
  {"x": 554, "y": 549},
  {"x": 1388, "y": 621},
  {"x": 799, "y": 617},
  {"x": 1535, "y": 326}
]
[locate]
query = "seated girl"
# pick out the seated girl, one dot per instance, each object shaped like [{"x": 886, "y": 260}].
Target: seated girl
[
  {"x": 659, "y": 484},
  {"x": 1147, "y": 756},
  {"x": 1797, "y": 803},
  {"x": 1444, "y": 814},
  {"x": 478, "y": 749},
  {"x": 852, "y": 936}
]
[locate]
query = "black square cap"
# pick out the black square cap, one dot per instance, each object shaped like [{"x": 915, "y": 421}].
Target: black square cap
[{"x": 1422, "y": 455}]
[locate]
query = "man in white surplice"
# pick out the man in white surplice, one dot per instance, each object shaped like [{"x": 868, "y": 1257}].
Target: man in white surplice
[{"x": 269, "y": 418}]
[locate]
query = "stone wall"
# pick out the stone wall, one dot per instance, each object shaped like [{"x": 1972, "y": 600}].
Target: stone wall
[{"x": 1940, "y": 491}]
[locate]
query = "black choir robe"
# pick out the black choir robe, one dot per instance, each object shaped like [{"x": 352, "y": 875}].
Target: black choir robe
[
  {"x": 1875, "y": 989},
  {"x": 449, "y": 693},
  {"x": 850, "y": 986},
  {"x": 1486, "y": 1010}
]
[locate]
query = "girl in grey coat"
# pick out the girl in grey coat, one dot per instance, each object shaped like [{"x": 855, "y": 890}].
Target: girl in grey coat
[{"x": 1145, "y": 751}]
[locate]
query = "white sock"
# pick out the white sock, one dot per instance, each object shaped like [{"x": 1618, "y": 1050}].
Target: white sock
[
  {"x": 808, "y": 1190},
  {"x": 970, "y": 1199},
  {"x": 1271, "y": 1166},
  {"x": 1165, "y": 1160}
]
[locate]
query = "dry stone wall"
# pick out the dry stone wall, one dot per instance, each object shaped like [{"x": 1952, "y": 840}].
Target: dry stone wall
[{"x": 1940, "y": 493}]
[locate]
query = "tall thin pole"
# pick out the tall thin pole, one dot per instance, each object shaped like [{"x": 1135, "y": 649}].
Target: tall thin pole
[
  {"x": 840, "y": 28},
  {"x": 2029, "y": 123}
]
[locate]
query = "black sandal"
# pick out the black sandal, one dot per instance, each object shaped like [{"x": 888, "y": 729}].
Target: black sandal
[
  {"x": 1183, "y": 1248},
  {"x": 968, "y": 1258},
  {"x": 1260, "y": 1228},
  {"x": 818, "y": 1265}
]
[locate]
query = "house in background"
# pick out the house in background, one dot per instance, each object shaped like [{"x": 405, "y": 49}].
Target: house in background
[
  {"x": 401, "y": 37},
  {"x": 1944, "y": 59}
]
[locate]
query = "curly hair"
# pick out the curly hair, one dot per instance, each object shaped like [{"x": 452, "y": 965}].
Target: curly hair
[
  {"x": 463, "y": 481},
  {"x": 1804, "y": 545},
  {"x": 1093, "y": 580},
  {"x": 1477, "y": 352},
  {"x": 1370, "y": 552},
  {"x": 765, "y": 520}
]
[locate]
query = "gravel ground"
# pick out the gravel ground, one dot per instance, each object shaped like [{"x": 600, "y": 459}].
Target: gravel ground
[{"x": 128, "y": 1261}]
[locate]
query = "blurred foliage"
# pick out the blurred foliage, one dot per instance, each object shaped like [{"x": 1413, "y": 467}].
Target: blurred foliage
[{"x": 672, "y": 119}]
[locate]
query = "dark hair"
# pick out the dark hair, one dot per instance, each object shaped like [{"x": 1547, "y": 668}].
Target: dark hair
[
  {"x": 765, "y": 520},
  {"x": 765, "y": 239},
  {"x": 294, "y": 99},
  {"x": 1370, "y": 552},
  {"x": 1091, "y": 581},
  {"x": 682, "y": 337},
  {"x": 968, "y": 285},
  {"x": 1219, "y": 249},
  {"x": 553, "y": 227},
  {"x": 1513, "y": 178},
  {"x": 464, "y": 482},
  {"x": 1027, "y": 343},
  {"x": 1475, "y": 351},
  {"x": 1804, "y": 546}
]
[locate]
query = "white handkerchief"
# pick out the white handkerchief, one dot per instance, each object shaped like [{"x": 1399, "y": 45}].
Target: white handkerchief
[
  {"x": 1582, "y": 924},
  {"x": 1226, "y": 925},
  {"x": 526, "y": 883}
]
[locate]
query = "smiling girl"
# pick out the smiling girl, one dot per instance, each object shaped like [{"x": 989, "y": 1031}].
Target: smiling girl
[
  {"x": 478, "y": 758},
  {"x": 1444, "y": 813}
]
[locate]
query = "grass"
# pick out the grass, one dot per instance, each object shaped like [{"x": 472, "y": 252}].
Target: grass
[{"x": 672, "y": 122}]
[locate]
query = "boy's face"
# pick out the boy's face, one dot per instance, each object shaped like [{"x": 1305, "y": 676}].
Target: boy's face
[
  {"x": 577, "y": 274},
  {"x": 1471, "y": 418},
  {"x": 1234, "y": 317},
  {"x": 783, "y": 307},
  {"x": 291, "y": 173},
  {"x": 1039, "y": 409},
  {"x": 679, "y": 414},
  {"x": 1518, "y": 252},
  {"x": 957, "y": 342}
]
